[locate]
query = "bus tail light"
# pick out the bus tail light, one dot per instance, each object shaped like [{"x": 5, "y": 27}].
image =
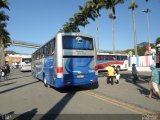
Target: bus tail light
[{"x": 59, "y": 69}]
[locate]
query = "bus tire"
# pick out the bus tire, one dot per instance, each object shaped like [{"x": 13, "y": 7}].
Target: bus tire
[
  {"x": 95, "y": 85},
  {"x": 45, "y": 82}
]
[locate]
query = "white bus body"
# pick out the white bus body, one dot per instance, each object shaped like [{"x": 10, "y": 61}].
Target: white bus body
[
  {"x": 119, "y": 61},
  {"x": 25, "y": 64}
]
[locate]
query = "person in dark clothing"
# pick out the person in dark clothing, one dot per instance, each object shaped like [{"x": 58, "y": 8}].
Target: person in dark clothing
[
  {"x": 134, "y": 73},
  {"x": 0, "y": 73},
  {"x": 4, "y": 70},
  {"x": 8, "y": 68}
]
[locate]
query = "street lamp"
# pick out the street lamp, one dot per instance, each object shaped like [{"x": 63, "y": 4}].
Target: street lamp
[{"x": 147, "y": 12}]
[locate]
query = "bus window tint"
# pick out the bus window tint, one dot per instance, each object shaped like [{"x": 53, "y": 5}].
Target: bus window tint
[
  {"x": 106, "y": 57},
  {"x": 110, "y": 57},
  {"x": 100, "y": 57},
  {"x": 124, "y": 57},
  {"x": 74, "y": 42}
]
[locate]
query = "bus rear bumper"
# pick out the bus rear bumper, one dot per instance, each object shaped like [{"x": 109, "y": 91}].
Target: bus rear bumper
[{"x": 60, "y": 82}]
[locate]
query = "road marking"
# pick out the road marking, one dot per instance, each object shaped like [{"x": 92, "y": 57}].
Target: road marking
[{"x": 118, "y": 103}]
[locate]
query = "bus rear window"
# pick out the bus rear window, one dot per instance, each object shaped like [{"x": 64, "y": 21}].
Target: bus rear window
[{"x": 77, "y": 42}]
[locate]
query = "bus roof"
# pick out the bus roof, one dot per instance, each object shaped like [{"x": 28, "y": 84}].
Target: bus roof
[
  {"x": 26, "y": 56},
  {"x": 78, "y": 34},
  {"x": 100, "y": 53}
]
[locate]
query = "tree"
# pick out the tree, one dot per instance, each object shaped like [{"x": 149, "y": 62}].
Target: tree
[
  {"x": 95, "y": 6},
  {"x": 85, "y": 14},
  {"x": 80, "y": 19},
  {"x": 69, "y": 27},
  {"x": 4, "y": 4},
  {"x": 4, "y": 34},
  {"x": 111, "y": 5},
  {"x": 132, "y": 7},
  {"x": 112, "y": 17}
]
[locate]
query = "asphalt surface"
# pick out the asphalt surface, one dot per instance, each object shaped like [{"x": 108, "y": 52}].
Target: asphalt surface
[{"x": 23, "y": 97}]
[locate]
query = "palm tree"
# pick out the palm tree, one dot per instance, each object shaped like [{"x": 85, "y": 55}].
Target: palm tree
[
  {"x": 111, "y": 4},
  {"x": 95, "y": 6},
  {"x": 80, "y": 19},
  {"x": 4, "y": 4},
  {"x": 69, "y": 27},
  {"x": 113, "y": 17},
  {"x": 74, "y": 24},
  {"x": 4, "y": 34},
  {"x": 3, "y": 17},
  {"x": 133, "y": 6},
  {"x": 85, "y": 14}
]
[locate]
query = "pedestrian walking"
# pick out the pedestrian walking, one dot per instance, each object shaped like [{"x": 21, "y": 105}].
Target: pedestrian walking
[
  {"x": 154, "y": 81},
  {"x": 4, "y": 72},
  {"x": 8, "y": 68},
  {"x": 134, "y": 73},
  {"x": 110, "y": 74},
  {"x": 0, "y": 73},
  {"x": 117, "y": 74}
]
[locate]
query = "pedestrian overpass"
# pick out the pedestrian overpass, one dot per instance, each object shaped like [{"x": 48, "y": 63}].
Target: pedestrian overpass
[{"x": 24, "y": 44}]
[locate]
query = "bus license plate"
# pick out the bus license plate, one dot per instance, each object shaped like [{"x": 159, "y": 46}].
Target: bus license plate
[{"x": 80, "y": 76}]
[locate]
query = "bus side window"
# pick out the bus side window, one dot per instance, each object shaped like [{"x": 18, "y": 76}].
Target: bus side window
[
  {"x": 42, "y": 52},
  {"x": 48, "y": 49},
  {"x": 118, "y": 58},
  {"x": 110, "y": 57},
  {"x": 45, "y": 51},
  {"x": 106, "y": 57},
  {"x": 100, "y": 57},
  {"x": 52, "y": 44},
  {"x": 114, "y": 57}
]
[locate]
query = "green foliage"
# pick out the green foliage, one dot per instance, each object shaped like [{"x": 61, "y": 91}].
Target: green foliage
[
  {"x": 127, "y": 51},
  {"x": 4, "y": 34},
  {"x": 142, "y": 48},
  {"x": 4, "y": 4},
  {"x": 133, "y": 5}
]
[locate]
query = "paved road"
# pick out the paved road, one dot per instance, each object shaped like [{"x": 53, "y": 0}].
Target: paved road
[{"x": 22, "y": 96}]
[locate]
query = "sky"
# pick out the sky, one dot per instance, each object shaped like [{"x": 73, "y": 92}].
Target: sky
[{"x": 37, "y": 21}]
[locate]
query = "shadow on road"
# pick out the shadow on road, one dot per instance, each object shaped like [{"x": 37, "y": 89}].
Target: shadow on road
[
  {"x": 54, "y": 112},
  {"x": 70, "y": 89},
  {"x": 18, "y": 87},
  {"x": 142, "y": 80},
  {"x": 17, "y": 77},
  {"x": 27, "y": 115},
  {"x": 1, "y": 85}
]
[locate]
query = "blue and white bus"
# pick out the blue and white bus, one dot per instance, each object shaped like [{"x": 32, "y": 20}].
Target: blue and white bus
[{"x": 69, "y": 59}]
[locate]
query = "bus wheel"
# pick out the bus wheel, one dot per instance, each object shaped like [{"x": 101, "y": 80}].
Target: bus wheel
[{"x": 45, "y": 82}]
